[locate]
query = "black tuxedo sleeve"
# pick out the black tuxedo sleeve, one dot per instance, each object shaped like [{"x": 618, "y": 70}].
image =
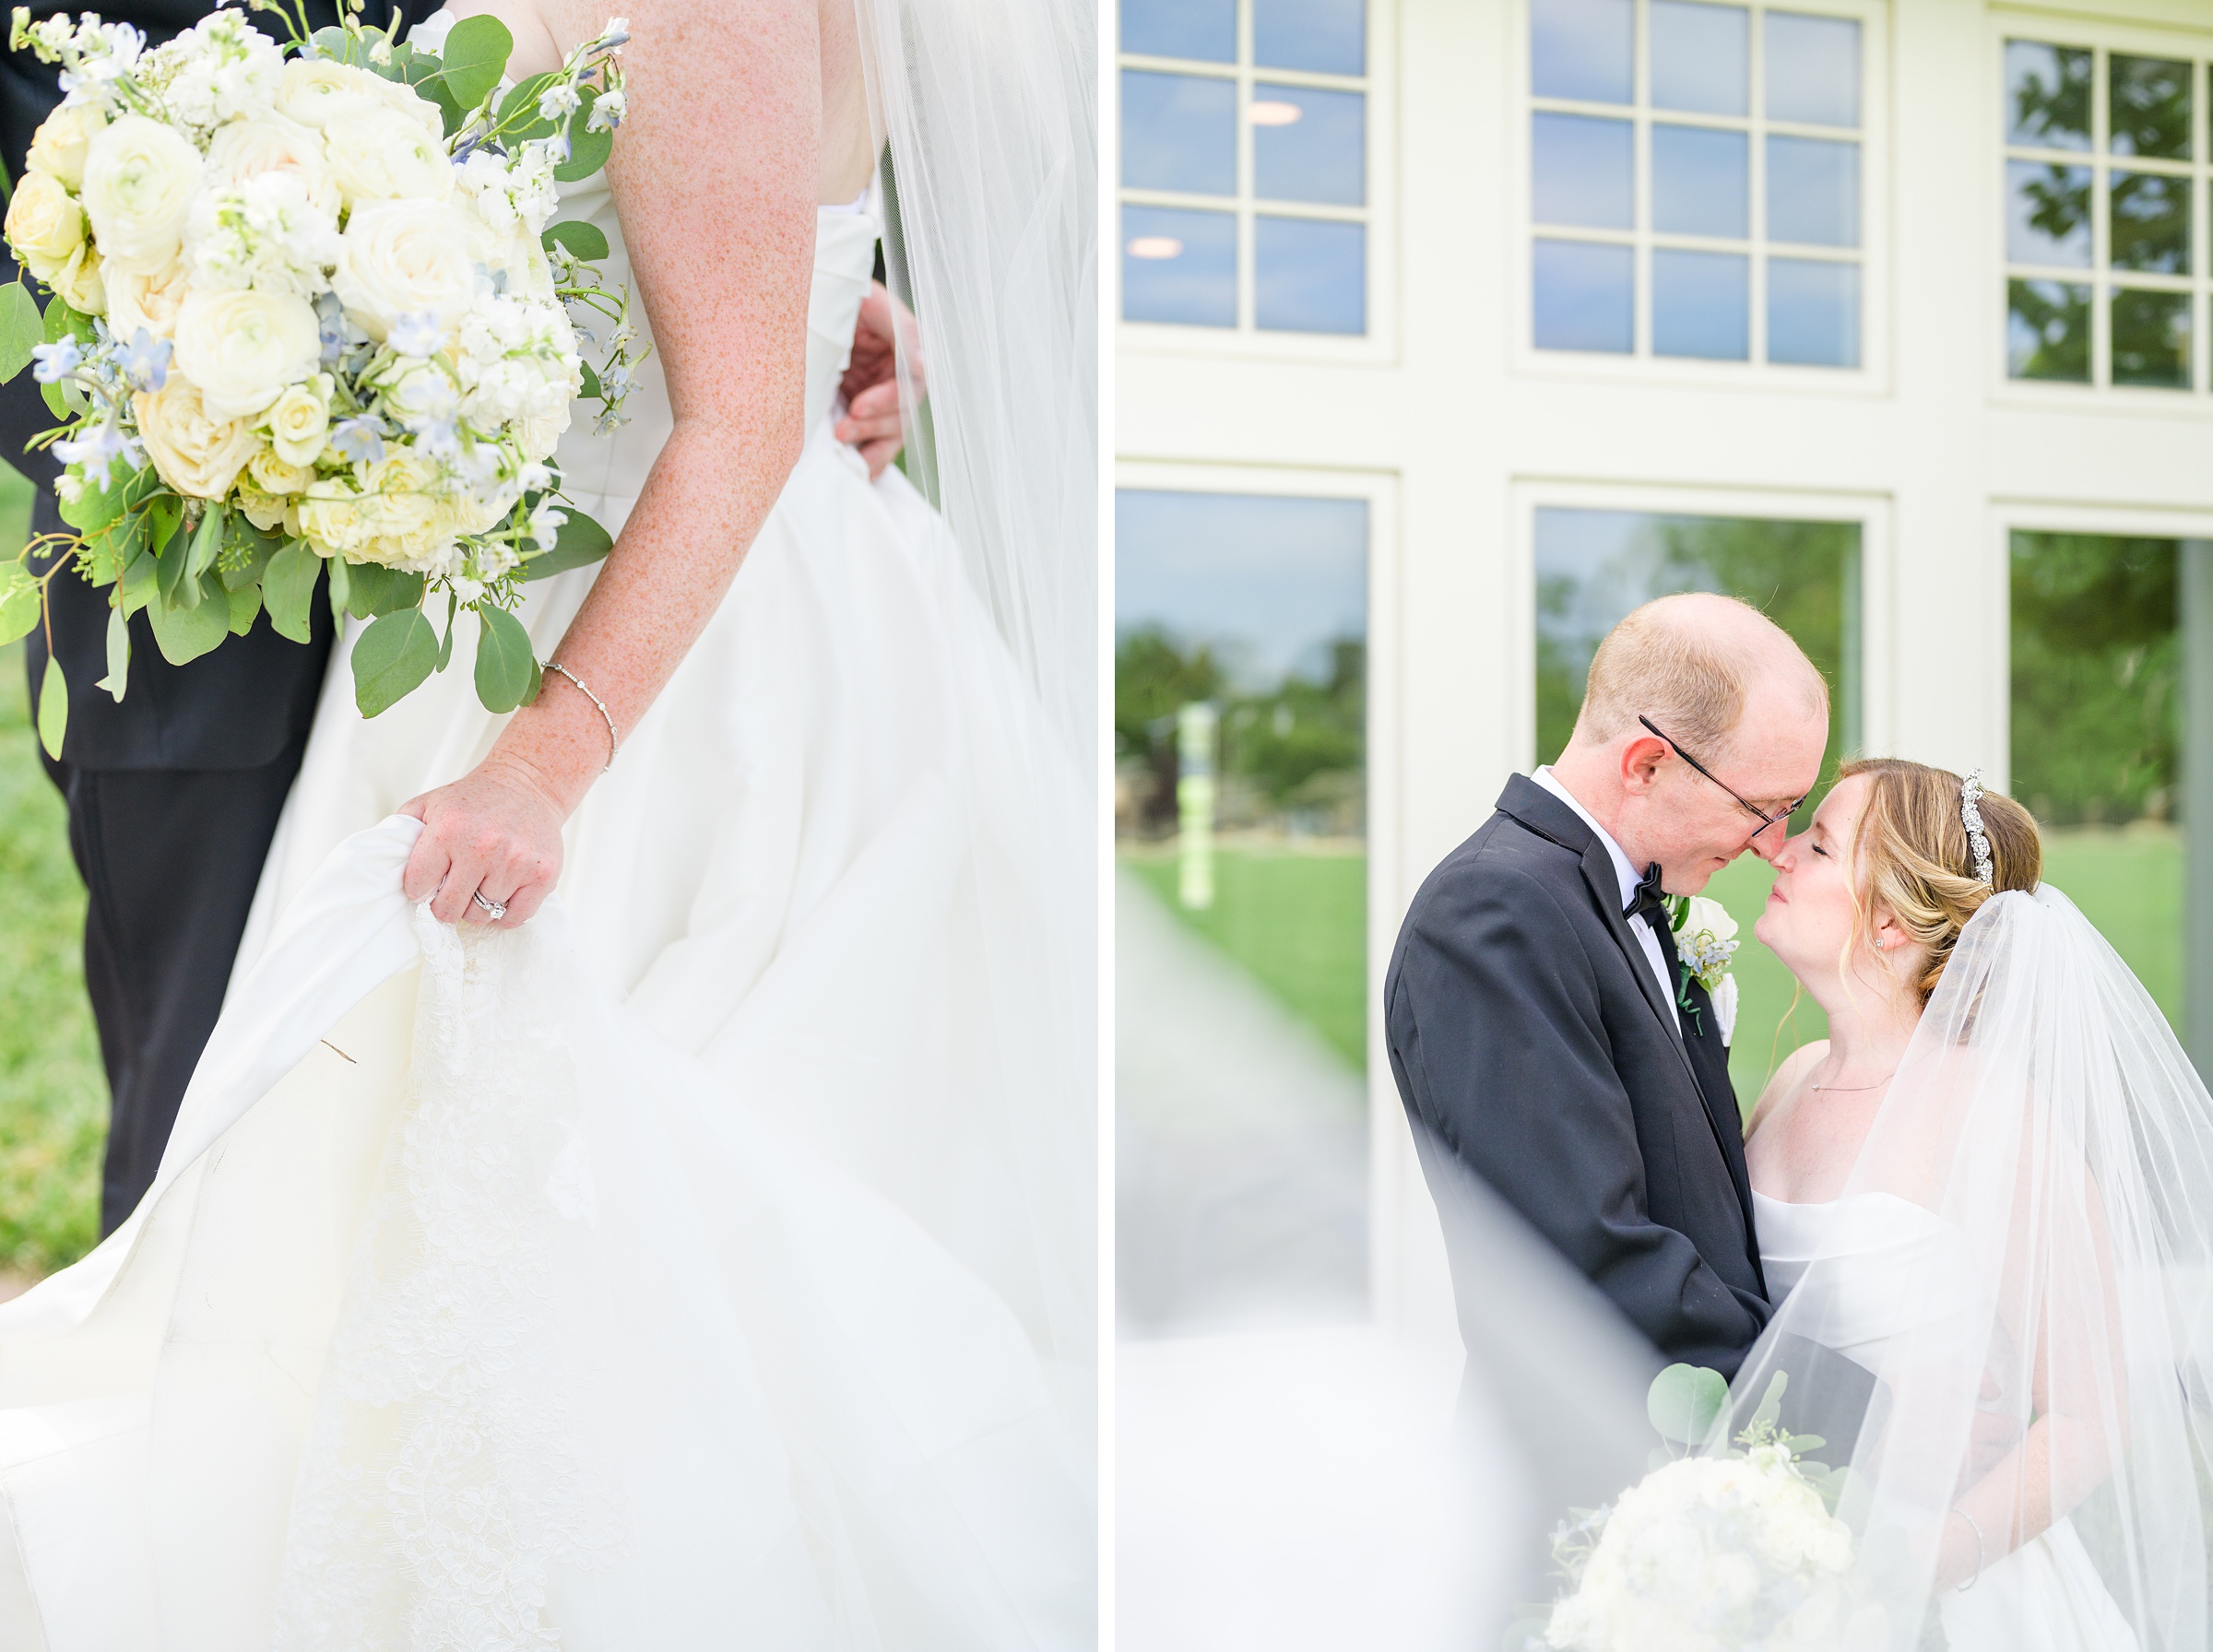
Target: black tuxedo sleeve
[{"x": 1499, "y": 1047}]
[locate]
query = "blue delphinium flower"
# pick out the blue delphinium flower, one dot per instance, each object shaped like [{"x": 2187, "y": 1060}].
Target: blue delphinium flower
[
  {"x": 55, "y": 362},
  {"x": 416, "y": 334},
  {"x": 357, "y": 440},
  {"x": 146, "y": 360},
  {"x": 98, "y": 449}
]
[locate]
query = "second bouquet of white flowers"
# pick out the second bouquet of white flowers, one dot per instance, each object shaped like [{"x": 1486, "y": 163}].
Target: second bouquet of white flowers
[{"x": 307, "y": 311}]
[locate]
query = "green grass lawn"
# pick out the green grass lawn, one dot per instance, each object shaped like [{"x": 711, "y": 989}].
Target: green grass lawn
[
  {"x": 54, "y": 1096},
  {"x": 1295, "y": 921}
]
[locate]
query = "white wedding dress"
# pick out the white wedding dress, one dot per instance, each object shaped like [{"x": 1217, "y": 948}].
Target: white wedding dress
[
  {"x": 1891, "y": 1272},
  {"x": 693, "y": 1266}
]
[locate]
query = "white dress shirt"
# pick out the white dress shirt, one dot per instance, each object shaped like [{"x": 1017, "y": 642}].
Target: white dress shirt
[{"x": 1630, "y": 876}]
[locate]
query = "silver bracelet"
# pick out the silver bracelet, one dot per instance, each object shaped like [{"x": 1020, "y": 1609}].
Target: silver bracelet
[
  {"x": 1971, "y": 1583},
  {"x": 614, "y": 740}
]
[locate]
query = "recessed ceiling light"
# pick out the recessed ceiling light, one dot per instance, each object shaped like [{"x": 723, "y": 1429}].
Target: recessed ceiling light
[
  {"x": 1156, "y": 246},
  {"x": 1270, "y": 111}
]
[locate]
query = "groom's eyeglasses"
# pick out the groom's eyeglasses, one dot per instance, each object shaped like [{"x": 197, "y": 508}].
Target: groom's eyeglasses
[{"x": 1761, "y": 815}]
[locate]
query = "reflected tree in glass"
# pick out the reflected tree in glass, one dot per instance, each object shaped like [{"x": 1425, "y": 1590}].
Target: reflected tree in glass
[
  {"x": 2149, "y": 111},
  {"x": 2152, "y": 222},
  {"x": 2151, "y": 339},
  {"x": 2048, "y": 331},
  {"x": 2047, "y": 96}
]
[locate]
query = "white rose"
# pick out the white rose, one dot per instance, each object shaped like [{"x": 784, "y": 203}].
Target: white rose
[
  {"x": 273, "y": 473},
  {"x": 265, "y": 510},
  {"x": 316, "y": 90},
  {"x": 57, "y": 150},
  {"x": 403, "y": 258},
  {"x": 248, "y": 149},
  {"x": 330, "y": 519},
  {"x": 1708, "y": 915},
  {"x": 537, "y": 434},
  {"x": 79, "y": 284},
  {"x": 139, "y": 178},
  {"x": 380, "y": 155},
  {"x": 45, "y": 225},
  {"x": 244, "y": 349},
  {"x": 299, "y": 422},
  {"x": 136, "y": 300},
  {"x": 409, "y": 105},
  {"x": 195, "y": 453}
]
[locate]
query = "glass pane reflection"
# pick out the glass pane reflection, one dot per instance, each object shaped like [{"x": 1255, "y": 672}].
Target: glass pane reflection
[
  {"x": 1179, "y": 132},
  {"x": 2150, "y": 225},
  {"x": 1325, "y": 37},
  {"x": 1203, "y": 29},
  {"x": 2047, "y": 96},
  {"x": 1308, "y": 145},
  {"x": 1813, "y": 313},
  {"x": 1702, "y": 305},
  {"x": 1592, "y": 567},
  {"x": 1179, "y": 266},
  {"x": 1582, "y": 171},
  {"x": 1581, "y": 48},
  {"x": 1240, "y": 828},
  {"x": 2151, "y": 339},
  {"x": 1309, "y": 276},
  {"x": 1813, "y": 192},
  {"x": 2048, "y": 331},
  {"x": 1813, "y": 67},
  {"x": 2150, "y": 107},
  {"x": 1585, "y": 298},
  {"x": 1701, "y": 56},
  {"x": 1702, "y": 181},
  {"x": 2047, "y": 214}
]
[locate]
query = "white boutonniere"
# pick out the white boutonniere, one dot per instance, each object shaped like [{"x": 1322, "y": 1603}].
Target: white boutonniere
[{"x": 1705, "y": 942}]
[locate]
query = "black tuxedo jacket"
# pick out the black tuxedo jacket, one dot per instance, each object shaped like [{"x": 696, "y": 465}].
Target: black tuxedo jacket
[
  {"x": 241, "y": 706},
  {"x": 1531, "y": 1042}
]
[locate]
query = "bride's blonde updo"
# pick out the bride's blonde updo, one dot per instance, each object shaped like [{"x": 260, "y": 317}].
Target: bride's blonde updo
[{"x": 1916, "y": 863}]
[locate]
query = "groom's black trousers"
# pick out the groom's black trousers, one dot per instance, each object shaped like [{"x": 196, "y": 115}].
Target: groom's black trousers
[{"x": 169, "y": 858}]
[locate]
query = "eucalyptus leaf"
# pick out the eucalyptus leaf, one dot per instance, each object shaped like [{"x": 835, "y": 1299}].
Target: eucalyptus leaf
[
  {"x": 245, "y": 603},
  {"x": 119, "y": 654},
  {"x": 1771, "y": 1403},
  {"x": 96, "y": 507},
  {"x": 580, "y": 543},
  {"x": 341, "y": 588},
  {"x": 1684, "y": 1402},
  {"x": 54, "y": 709},
  {"x": 141, "y": 582},
  {"x": 523, "y": 101},
  {"x": 186, "y": 631},
  {"x": 21, "y": 326},
  {"x": 62, "y": 321},
  {"x": 108, "y": 552},
  {"x": 475, "y": 57},
  {"x": 246, "y": 552},
  {"x": 391, "y": 659},
  {"x": 57, "y": 404},
  {"x": 372, "y": 589},
  {"x": 505, "y": 661},
  {"x": 174, "y": 560},
  {"x": 207, "y": 540},
  {"x": 18, "y": 602},
  {"x": 588, "y": 150},
  {"x": 163, "y": 517},
  {"x": 589, "y": 389},
  {"x": 287, "y": 587},
  {"x": 445, "y": 643},
  {"x": 584, "y": 241}
]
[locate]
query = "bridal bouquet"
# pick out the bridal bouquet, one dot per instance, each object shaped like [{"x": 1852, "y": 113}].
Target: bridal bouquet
[
  {"x": 1712, "y": 1553},
  {"x": 307, "y": 312}
]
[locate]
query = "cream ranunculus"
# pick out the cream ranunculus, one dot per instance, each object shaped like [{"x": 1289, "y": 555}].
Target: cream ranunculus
[
  {"x": 139, "y": 178},
  {"x": 79, "y": 282},
  {"x": 330, "y": 519},
  {"x": 272, "y": 474},
  {"x": 57, "y": 150},
  {"x": 45, "y": 225},
  {"x": 381, "y": 155},
  {"x": 138, "y": 301},
  {"x": 403, "y": 258},
  {"x": 196, "y": 452},
  {"x": 412, "y": 105},
  {"x": 265, "y": 510},
  {"x": 248, "y": 149},
  {"x": 244, "y": 350},
  {"x": 299, "y": 422}
]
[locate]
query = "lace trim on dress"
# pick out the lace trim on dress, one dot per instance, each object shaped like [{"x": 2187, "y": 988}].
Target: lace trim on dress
[{"x": 448, "y": 1475}]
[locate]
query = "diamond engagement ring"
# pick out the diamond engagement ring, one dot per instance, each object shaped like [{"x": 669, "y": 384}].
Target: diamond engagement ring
[{"x": 497, "y": 908}]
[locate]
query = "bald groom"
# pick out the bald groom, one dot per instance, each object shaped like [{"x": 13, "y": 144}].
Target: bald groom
[{"x": 1540, "y": 1028}]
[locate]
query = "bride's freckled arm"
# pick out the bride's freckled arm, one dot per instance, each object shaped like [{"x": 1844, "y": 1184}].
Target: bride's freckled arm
[{"x": 714, "y": 176}]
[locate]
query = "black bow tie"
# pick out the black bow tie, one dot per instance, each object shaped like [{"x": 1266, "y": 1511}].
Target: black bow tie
[{"x": 1649, "y": 902}]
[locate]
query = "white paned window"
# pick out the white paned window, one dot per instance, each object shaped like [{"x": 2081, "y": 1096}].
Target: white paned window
[
  {"x": 1697, "y": 179},
  {"x": 2105, "y": 180},
  {"x": 1245, "y": 164}
]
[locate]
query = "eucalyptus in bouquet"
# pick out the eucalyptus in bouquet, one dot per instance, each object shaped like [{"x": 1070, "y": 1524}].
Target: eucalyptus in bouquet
[
  {"x": 1713, "y": 1551},
  {"x": 307, "y": 311}
]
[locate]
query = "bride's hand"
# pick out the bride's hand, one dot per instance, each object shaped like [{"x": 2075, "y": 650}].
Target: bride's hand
[
  {"x": 498, "y": 830},
  {"x": 873, "y": 423}
]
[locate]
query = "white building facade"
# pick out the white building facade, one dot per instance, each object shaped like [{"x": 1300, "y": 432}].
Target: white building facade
[{"x": 1543, "y": 286}]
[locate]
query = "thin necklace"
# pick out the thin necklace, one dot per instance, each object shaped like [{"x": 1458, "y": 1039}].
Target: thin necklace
[{"x": 1849, "y": 1089}]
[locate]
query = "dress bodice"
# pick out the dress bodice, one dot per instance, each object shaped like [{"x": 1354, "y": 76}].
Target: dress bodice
[{"x": 605, "y": 473}]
